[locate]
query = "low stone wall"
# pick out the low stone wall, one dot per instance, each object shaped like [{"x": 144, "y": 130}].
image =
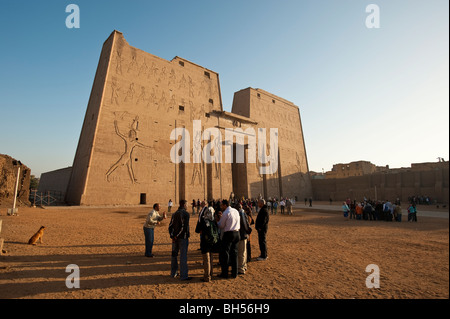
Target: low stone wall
[{"x": 433, "y": 183}]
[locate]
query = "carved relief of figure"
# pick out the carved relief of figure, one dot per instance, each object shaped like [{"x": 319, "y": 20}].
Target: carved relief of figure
[
  {"x": 197, "y": 171},
  {"x": 154, "y": 71},
  {"x": 192, "y": 111},
  {"x": 182, "y": 82},
  {"x": 271, "y": 159},
  {"x": 115, "y": 91},
  {"x": 216, "y": 147},
  {"x": 172, "y": 77},
  {"x": 152, "y": 98},
  {"x": 162, "y": 101},
  {"x": 130, "y": 93},
  {"x": 119, "y": 62},
  {"x": 133, "y": 64},
  {"x": 196, "y": 114},
  {"x": 131, "y": 141},
  {"x": 203, "y": 90},
  {"x": 143, "y": 69},
  {"x": 173, "y": 103},
  {"x": 191, "y": 87},
  {"x": 163, "y": 75},
  {"x": 142, "y": 97},
  {"x": 258, "y": 164}
]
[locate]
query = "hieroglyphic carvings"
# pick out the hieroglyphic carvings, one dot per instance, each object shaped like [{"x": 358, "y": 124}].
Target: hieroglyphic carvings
[
  {"x": 191, "y": 87},
  {"x": 133, "y": 66},
  {"x": 142, "y": 96},
  {"x": 197, "y": 169},
  {"x": 182, "y": 84},
  {"x": 119, "y": 62},
  {"x": 172, "y": 77},
  {"x": 115, "y": 91},
  {"x": 130, "y": 94}
]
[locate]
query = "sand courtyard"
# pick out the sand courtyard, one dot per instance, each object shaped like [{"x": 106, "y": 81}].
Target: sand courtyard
[{"x": 314, "y": 254}]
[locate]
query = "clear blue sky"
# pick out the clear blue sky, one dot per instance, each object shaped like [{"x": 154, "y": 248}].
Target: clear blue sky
[{"x": 379, "y": 95}]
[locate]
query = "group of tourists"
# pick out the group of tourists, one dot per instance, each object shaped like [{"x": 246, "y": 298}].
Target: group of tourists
[
  {"x": 225, "y": 228},
  {"x": 420, "y": 200},
  {"x": 274, "y": 205},
  {"x": 377, "y": 210},
  {"x": 284, "y": 204}
]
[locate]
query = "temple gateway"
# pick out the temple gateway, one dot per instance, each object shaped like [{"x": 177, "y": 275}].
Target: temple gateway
[{"x": 138, "y": 100}]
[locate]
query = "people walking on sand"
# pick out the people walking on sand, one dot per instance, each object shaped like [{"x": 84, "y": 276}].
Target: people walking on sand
[
  {"x": 367, "y": 211},
  {"x": 346, "y": 210},
  {"x": 289, "y": 206},
  {"x": 352, "y": 206},
  {"x": 282, "y": 205},
  {"x": 269, "y": 206},
  {"x": 153, "y": 219},
  {"x": 244, "y": 232},
  {"x": 359, "y": 211},
  {"x": 310, "y": 202},
  {"x": 412, "y": 213},
  {"x": 193, "y": 207},
  {"x": 179, "y": 233},
  {"x": 228, "y": 220},
  {"x": 169, "y": 206},
  {"x": 262, "y": 225},
  {"x": 251, "y": 222},
  {"x": 209, "y": 236},
  {"x": 275, "y": 206},
  {"x": 388, "y": 211},
  {"x": 378, "y": 212},
  {"x": 198, "y": 230},
  {"x": 397, "y": 212}
]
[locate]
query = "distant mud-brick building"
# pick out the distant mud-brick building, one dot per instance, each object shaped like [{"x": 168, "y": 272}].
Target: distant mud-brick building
[{"x": 138, "y": 99}]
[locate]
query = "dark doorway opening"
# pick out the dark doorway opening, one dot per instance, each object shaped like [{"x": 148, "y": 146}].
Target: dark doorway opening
[{"x": 143, "y": 199}]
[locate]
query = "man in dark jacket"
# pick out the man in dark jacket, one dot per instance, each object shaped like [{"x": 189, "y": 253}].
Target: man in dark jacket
[
  {"x": 261, "y": 225},
  {"x": 179, "y": 233}
]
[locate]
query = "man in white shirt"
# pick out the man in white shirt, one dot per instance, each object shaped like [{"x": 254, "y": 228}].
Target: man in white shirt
[
  {"x": 282, "y": 204},
  {"x": 169, "y": 206},
  {"x": 229, "y": 225}
]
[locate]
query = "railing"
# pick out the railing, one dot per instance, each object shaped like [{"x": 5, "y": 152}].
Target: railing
[{"x": 48, "y": 198}]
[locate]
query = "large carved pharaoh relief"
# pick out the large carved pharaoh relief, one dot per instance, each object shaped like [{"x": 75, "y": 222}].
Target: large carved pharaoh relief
[{"x": 126, "y": 127}]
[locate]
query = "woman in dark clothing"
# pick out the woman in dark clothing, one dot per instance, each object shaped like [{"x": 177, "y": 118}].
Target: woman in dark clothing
[{"x": 248, "y": 212}]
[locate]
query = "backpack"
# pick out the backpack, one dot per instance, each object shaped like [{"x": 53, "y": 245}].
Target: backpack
[{"x": 211, "y": 233}]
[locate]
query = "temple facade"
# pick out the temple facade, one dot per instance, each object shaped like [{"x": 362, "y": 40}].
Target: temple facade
[{"x": 156, "y": 130}]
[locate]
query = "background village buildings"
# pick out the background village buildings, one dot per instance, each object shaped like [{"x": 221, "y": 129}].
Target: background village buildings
[{"x": 362, "y": 179}]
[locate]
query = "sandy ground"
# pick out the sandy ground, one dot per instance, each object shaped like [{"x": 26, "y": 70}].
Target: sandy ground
[{"x": 313, "y": 254}]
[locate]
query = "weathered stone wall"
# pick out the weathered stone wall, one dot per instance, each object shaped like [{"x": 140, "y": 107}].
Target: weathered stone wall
[
  {"x": 55, "y": 181},
  {"x": 8, "y": 177},
  {"x": 424, "y": 180}
]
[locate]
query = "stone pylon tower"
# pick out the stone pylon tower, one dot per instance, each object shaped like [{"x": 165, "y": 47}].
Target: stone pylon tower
[{"x": 138, "y": 99}]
